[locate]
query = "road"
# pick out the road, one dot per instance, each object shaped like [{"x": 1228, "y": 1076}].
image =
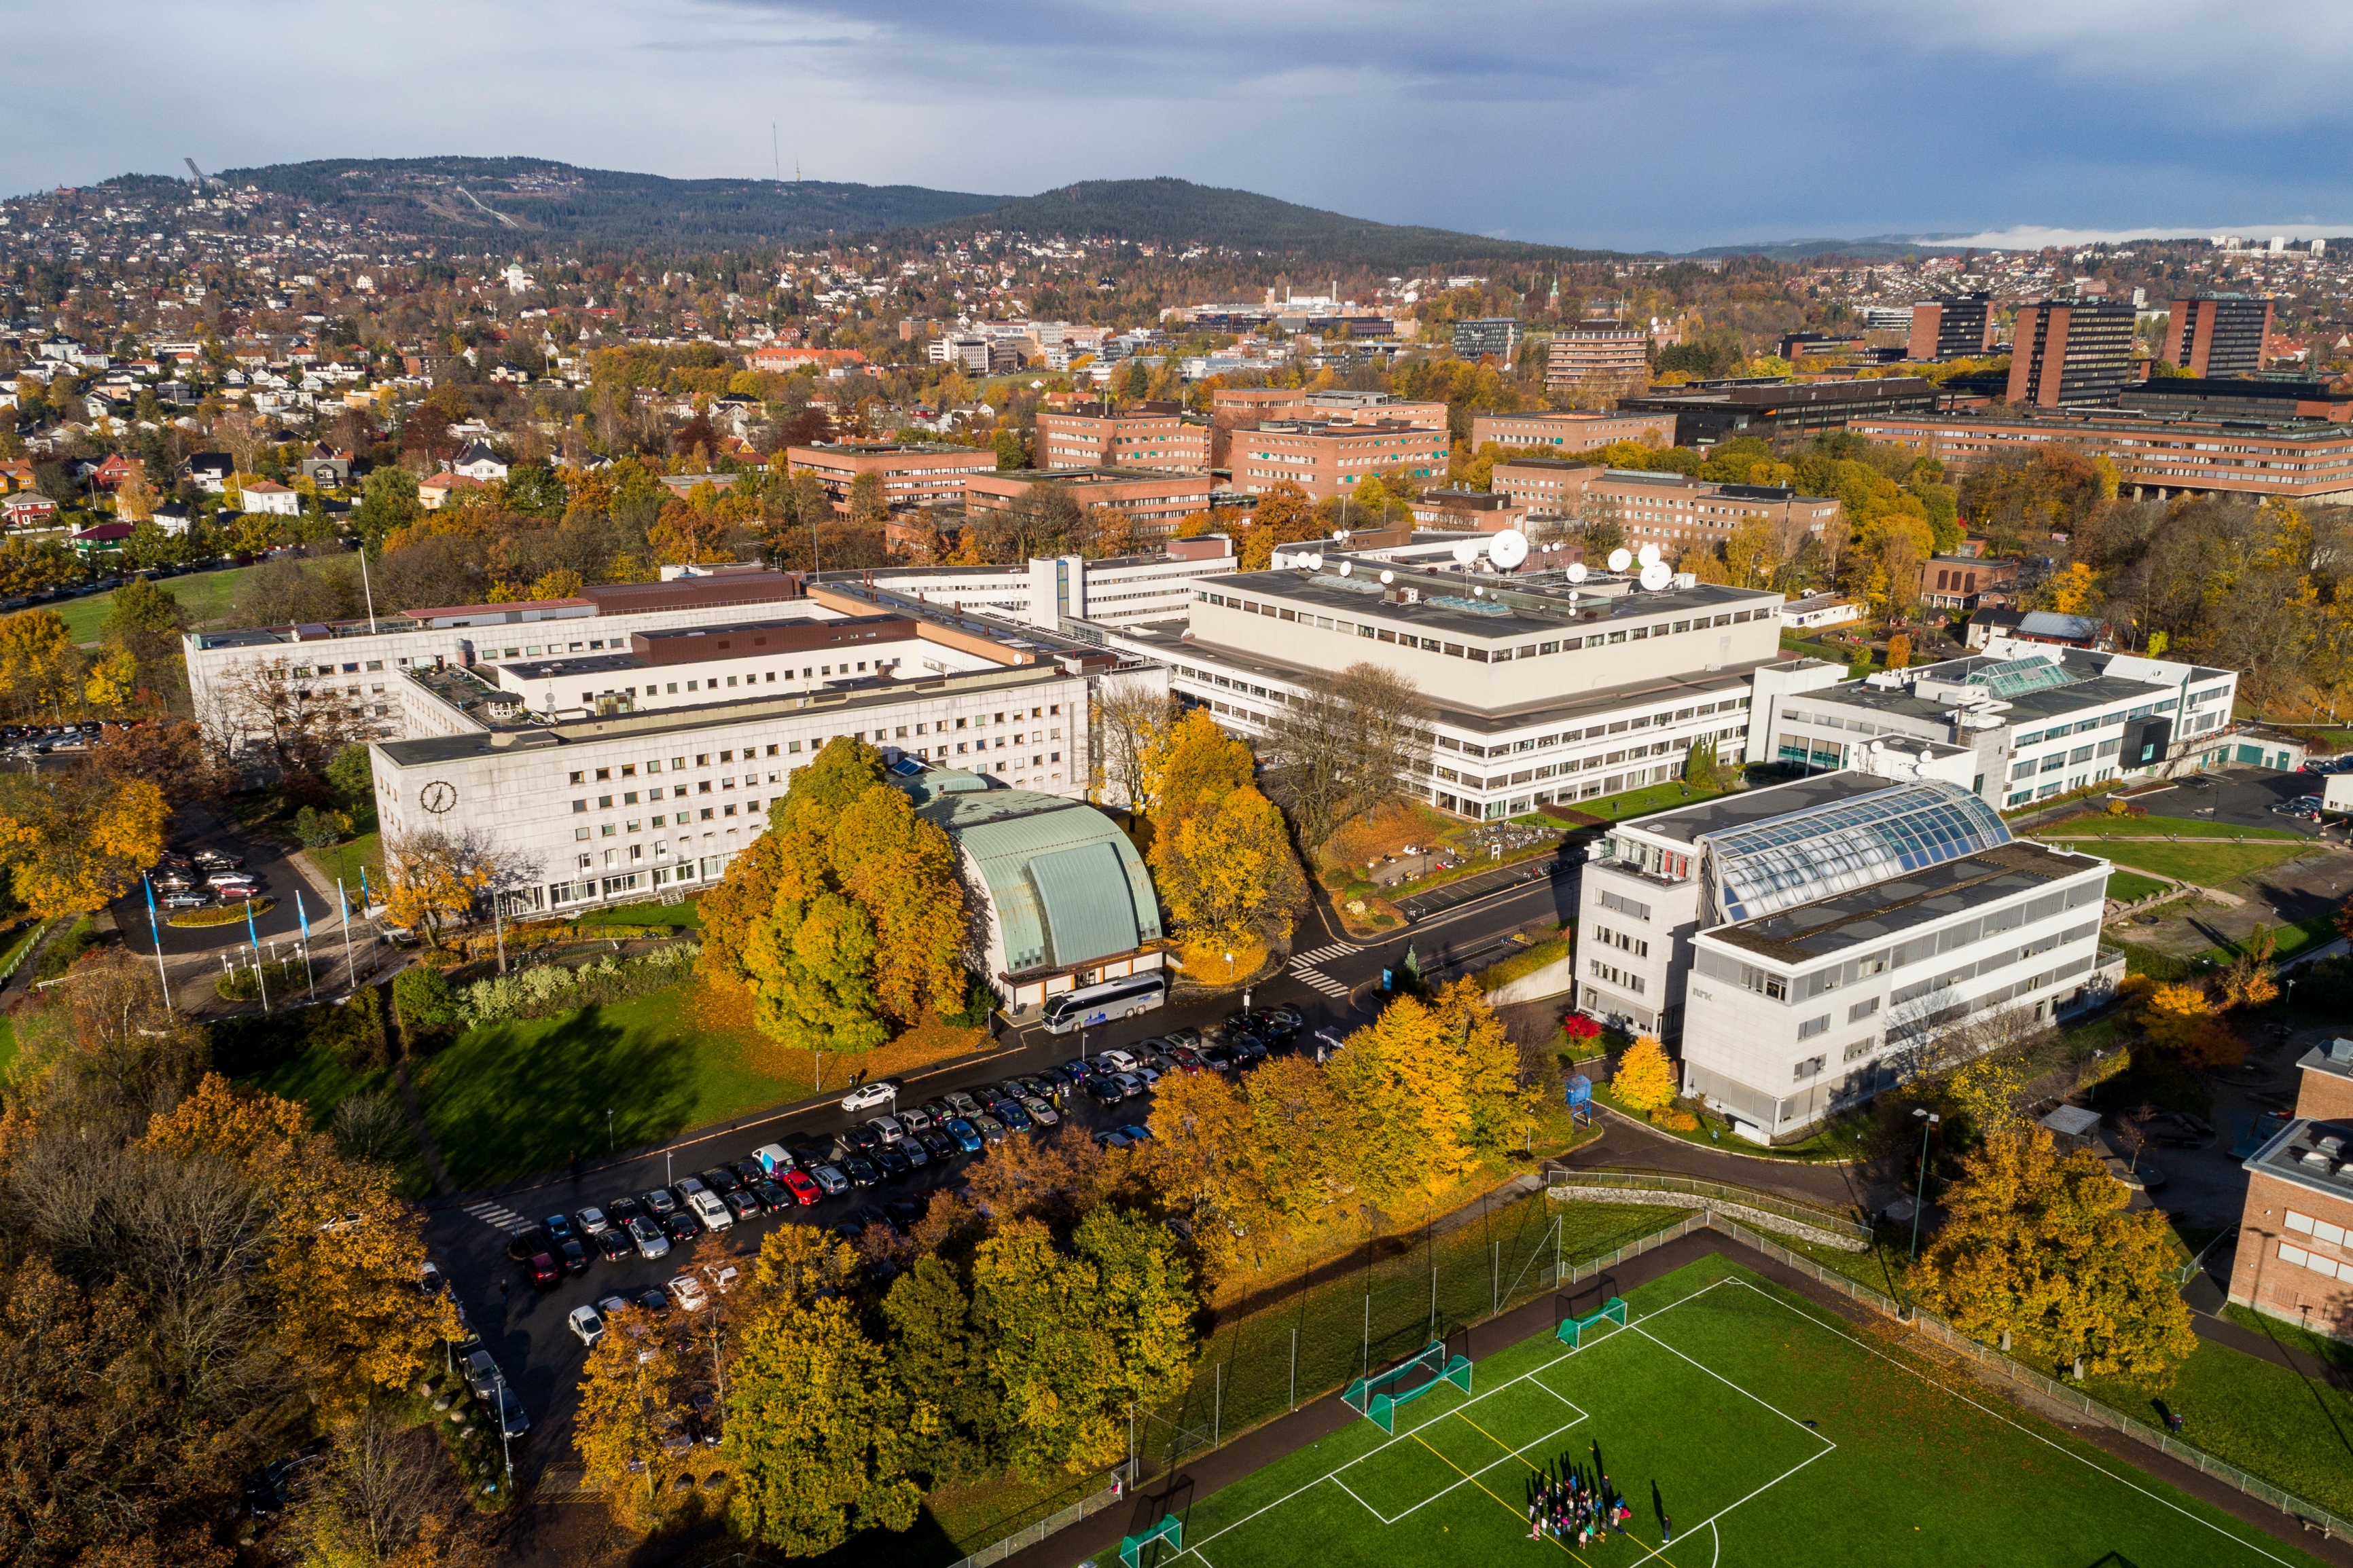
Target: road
[{"x": 1333, "y": 983}]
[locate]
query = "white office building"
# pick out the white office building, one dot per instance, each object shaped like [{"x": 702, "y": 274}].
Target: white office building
[{"x": 1812, "y": 943}]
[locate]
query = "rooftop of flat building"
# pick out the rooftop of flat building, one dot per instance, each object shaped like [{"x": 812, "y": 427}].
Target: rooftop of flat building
[
  {"x": 1745, "y": 808},
  {"x": 1869, "y": 916},
  {"x": 2313, "y": 1154},
  {"x": 2281, "y": 427},
  {"x": 1502, "y": 607},
  {"x": 1079, "y": 479},
  {"x": 1788, "y": 392}
]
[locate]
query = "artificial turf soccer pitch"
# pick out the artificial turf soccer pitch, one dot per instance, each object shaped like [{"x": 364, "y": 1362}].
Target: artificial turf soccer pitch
[{"x": 1761, "y": 1424}]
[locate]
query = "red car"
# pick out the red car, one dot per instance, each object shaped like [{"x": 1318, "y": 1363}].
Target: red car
[
  {"x": 542, "y": 1268},
  {"x": 805, "y": 1192}
]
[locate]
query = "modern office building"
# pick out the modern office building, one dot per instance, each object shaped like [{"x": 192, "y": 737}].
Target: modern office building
[
  {"x": 1158, "y": 500},
  {"x": 1599, "y": 362},
  {"x": 1151, "y": 435},
  {"x": 2267, "y": 402},
  {"x": 2036, "y": 720},
  {"x": 1540, "y": 690},
  {"x": 1576, "y": 431},
  {"x": 1714, "y": 414},
  {"x": 1952, "y": 326},
  {"x": 2218, "y": 335},
  {"x": 1326, "y": 458},
  {"x": 1794, "y": 938},
  {"x": 2294, "y": 1257},
  {"x": 2155, "y": 456},
  {"x": 1497, "y": 335},
  {"x": 914, "y": 473},
  {"x": 2071, "y": 354}
]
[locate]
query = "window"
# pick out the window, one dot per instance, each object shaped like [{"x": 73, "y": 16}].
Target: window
[
  {"x": 1862, "y": 1010},
  {"x": 1809, "y": 1067},
  {"x": 579, "y": 778},
  {"x": 1773, "y": 987},
  {"x": 579, "y": 805},
  {"x": 1813, "y": 1026}
]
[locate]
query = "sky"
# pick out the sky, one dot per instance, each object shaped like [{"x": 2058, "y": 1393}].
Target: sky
[{"x": 1564, "y": 121}]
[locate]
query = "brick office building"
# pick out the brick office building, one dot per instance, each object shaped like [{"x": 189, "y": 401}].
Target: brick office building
[
  {"x": 1668, "y": 510},
  {"x": 1570, "y": 432},
  {"x": 2155, "y": 458},
  {"x": 2068, "y": 355},
  {"x": 2295, "y": 1258},
  {"x": 1952, "y": 326},
  {"x": 2219, "y": 334},
  {"x": 1157, "y": 501},
  {"x": 1153, "y": 435},
  {"x": 1327, "y": 460},
  {"x": 914, "y": 473},
  {"x": 1604, "y": 362}
]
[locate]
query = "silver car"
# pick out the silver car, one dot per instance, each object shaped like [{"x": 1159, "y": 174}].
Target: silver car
[{"x": 647, "y": 1237}]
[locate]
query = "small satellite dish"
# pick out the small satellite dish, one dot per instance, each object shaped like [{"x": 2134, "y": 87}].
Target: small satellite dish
[
  {"x": 1647, "y": 556},
  {"x": 1388, "y": 578},
  {"x": 1466, "y": 551},
  {"x": 1347, "y": 567},
  {"x": 1340, "y": 533},
  {"x": 1313, "y": 562},
  {"x": 1508, "y": 549},
  {"x": 1620, "y": 560},
  {"x": 1656, "y": 576},
  {"x": 1926, "y": 757},
  {"x": 1877, "y": 747},
  {"x": 1477, "y": 592},
  {"x": 1577, "y": 571}
]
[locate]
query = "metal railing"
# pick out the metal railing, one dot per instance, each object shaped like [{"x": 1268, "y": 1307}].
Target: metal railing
[
  {"x": 1029, "y": 1535},
  {"x": 1944, "y": 1333},
  {"x": 1804, "y": 1214},
  {"x": 25, "y": 950}
]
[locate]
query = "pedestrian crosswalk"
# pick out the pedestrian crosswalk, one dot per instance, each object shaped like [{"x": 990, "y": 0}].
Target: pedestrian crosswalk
[
  {"x": 498, "y": 1216},
  {"x": 1303, "y": 968}
]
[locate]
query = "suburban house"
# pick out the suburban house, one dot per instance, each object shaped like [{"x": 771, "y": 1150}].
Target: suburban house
[
  {"x": 477, "y": 461},
  {"x": 27, "y": 508},
  {"x": 435, "y": 491},
  {"x": 209, "y": 471},
  {"x": 264, "y": 495}
]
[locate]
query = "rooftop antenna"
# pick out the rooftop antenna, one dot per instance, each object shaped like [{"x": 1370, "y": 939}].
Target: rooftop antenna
[{"x": 776, "y": 150}]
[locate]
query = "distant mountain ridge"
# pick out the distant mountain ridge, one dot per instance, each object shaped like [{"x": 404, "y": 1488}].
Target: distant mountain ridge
[{"x": 540, "y": 199}]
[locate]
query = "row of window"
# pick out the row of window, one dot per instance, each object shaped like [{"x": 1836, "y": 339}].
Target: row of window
[
  {"x": 1620, "y": 940},
  {"x": 1625, "y": 980},
  {"x": 1484, "y": 656},
  {"x": 792, "y": 748}
]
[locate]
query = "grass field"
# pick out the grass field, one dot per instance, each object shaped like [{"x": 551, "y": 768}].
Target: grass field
[
  {"x": 2208, "y": 865},
  {"x": 2129, "y": 886},
  {"x": 1764, "y": 1430},
  {"x": 208, "y": 597},
  {"x": 2105, "y": 827},
  {"x": 517, "y": 1097},
  {"x": 342, "y": 862}
]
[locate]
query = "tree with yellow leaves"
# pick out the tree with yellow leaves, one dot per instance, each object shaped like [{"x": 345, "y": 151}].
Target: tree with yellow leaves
[
  {"x": 1228, "y": 875},
  {"x": 1408, "y": 1108},
  {"x": 1645, "y": 1079},
  {"x": 2039, "y": 1251},
  {"x": 1285, "y": 515},
  {"x": 75, "y": 843},
  {"x": 629, "y": 1404},
  {"x": 41, "y": 669},
  {"x": 434, "y": 879},
  {"x": 341, "y": 1274},
  {"x": 2179, "y": 1018}
]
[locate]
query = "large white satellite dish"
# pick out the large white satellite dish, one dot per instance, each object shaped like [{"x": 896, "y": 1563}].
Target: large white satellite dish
[
  {"x": 1388, "y": 578},
  {"x": 1620, "y": 560},
  {"x": 1656, "y": 576},
  {"x": 1466, "y": 551},
  {"x": 1347, "y": 567},
  {"x": 1647, "y": 556},
  {"x": 1315, "y": 563},
  {"x": 1508, "y": 549},
  {"x": 1577, "y": 571}
]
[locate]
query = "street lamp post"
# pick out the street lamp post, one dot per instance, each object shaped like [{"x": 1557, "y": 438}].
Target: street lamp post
[
  {"x": 610, "y": 1147},
  {"x": 505, "y": 1452},
  {"x": 1920, "y": 1198}
]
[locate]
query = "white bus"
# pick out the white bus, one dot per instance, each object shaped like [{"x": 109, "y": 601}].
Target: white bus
[{"x": 1095, "y": 1005}]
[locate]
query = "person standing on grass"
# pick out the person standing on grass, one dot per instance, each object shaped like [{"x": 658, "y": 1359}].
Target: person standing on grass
[{"x": 1666, "y": 1531}]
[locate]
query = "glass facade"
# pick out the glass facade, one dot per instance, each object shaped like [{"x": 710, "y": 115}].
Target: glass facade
[{"x": 1835, "y": 848}]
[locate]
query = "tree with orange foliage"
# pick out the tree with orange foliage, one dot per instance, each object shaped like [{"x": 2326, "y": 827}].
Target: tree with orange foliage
[{"x": 2180, "y": 1019}]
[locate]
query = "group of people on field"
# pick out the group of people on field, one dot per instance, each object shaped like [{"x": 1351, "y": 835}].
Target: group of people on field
[{"x": 1575, "y": 1502}]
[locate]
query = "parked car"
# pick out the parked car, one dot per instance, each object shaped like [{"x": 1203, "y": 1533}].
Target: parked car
[
  {"x": 961, "y": 1103},
  {"x": 681, "y": 1226},
  {"x": 721, "y": 1277},
  {"x": 558, "y": 1227},
  {"x": 184, "y": 901},
  {"x": 593, "y": 1220},
  {"x": 482, "y": 1373},
  {"x": 937, "y": 1144},
  {"x": 660, "y": 1203},
  {"x": 772, "y": 1158},
  {"x": 704, "y": 1205},
  {"x": 743, "y": 1205},
  {"x": 828, "y": 1179},
  {"x": 888, "y": 1128},
  {"x": 893, "y": 1163},
  {"x": 990, "y": 1128},
  {"x": 542, "y": 1270},
  {"x": 962, "y": 1130},
  {"x": 1105, "y": 1092},
  {"x": 621, "y": 1211},
  {"x": 867, "y": 1096},
  {"x": 236, "y": 892},
  {"x": 687, "y": 1291},
  {"x": 855, "y": 1139},
  {"x": 721, "y": 1180},
  {"x": 647, "y": 1237},
  {"x": 862, "y": 1172},
  {"x": 1043, "y": 1114},
  {"x": 803, "y": 1191},
  {"x": 772, "y": 1196},
  {"x": 613, "y": 1244},
  {"x": 1011, "y": 1112},
  {"x": 513, "y": 1420},
  {"x": 1137, "y": 1131},
  {"x": 573, "y": 1256},
  {"x": 585, "y": 1326}
]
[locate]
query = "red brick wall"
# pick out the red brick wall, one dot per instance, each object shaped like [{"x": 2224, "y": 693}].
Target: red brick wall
[
  {"x": 2325, "y": 1096},
  {"x": 2261, "y": 1279}
]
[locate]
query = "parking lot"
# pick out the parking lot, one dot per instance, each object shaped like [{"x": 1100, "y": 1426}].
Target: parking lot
[
  {"x": 2239, "y": 796},
  {"x": 484, "y": 1247}
]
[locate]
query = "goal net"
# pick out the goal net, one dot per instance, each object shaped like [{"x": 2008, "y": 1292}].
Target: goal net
[
  {"x": 1377, "y": 1397},
  {"x": 1573, "y": 1329}
]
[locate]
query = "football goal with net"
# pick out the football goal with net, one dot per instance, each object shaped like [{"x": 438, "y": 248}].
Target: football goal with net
[
  {"x": 1169, "y": 1528},
  {"x": 1377, "y": 1397},
  {"x": 1573, "y": 1329}
]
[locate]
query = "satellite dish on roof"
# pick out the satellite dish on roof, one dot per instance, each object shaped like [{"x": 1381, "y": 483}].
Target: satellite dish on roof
[
  {"x": 1577, "y": 571},
  {"x": 1388, "y": 578},
  {"x": 1465, "y": 551},
  {"x": 1647, "y": 556},
  {"x": 1927, "y": 755},
  {"x": 1347, "y": 567},
  {"x": 1656, "y": 576},
  {"x": 1508, "y": 549},
  {"x": 1877, "y": 747},
  {"x": 1620, "y": 560}
]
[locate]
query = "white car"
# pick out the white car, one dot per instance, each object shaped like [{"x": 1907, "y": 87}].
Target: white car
[
  {"x": 705, "y": 1206},
  {"x": 585, "y": 1326},
  {"x": 593, "y": 1222},
  {"x": 687, "y": 1291},
  {"x": 722, "y": 1277},
  {"x": 867, "y": 1096}
]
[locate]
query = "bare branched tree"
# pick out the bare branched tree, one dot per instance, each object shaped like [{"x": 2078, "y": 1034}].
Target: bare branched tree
[
  {"x": 1347, "y": 745},
  {"x": 1132, "y": 721}
]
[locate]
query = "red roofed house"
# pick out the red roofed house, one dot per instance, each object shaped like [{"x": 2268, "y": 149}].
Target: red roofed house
[
  {"x": 433, "y": 492},
  {"x": 110, "y": 474},
  {"x": 782, "y": 358},
  {"x": 262, "y": 495},
  {"x": 27, "y": 508}
]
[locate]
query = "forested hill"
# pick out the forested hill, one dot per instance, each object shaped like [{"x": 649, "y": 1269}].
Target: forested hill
[
  {"x": 533, "y": 199},
  {"x": 1175, "y": 212},
  {"x": 529, "y": 196}
]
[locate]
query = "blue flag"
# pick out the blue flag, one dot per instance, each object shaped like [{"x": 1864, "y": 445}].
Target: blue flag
[
  {"x": 151, "y": 896},
  {"x": 250, "y": 932},
  {"x": 343, "y": 905},
  {"x": 366, "y": 898},
  {"x": 303, "y": 915}
]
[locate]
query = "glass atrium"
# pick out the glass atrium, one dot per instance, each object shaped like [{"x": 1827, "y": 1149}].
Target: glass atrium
[{"x": 1835, "y": 848}]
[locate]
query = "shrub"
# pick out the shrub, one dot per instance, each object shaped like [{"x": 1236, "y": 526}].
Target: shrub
[
  {"x": 286, "y": 978},
  {"x": 1675, "y": 1121},
  {"x": 421, "y": 1000},
  {"x": 320, "y": 829},
  {"x": 979, "y": 1002},
  {"x": 1580, "y": 1028},
  {"x": 221, "y": 914},
  {"x": 61, "y": 954},
  {"x": 545, "y": 989}
]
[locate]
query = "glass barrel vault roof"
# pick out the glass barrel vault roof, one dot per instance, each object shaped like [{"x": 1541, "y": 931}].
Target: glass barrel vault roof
[
  {"x": 2017, "y": 677},
  {"x": 1837, "y": 848}
]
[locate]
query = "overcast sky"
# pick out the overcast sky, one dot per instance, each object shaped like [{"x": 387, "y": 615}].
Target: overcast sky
[{"x": 1639, "y": 126}]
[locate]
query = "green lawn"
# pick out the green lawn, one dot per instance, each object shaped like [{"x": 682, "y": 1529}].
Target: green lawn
[
  {"x": 684, "y": 915},
  {"x": 1760, "y": 1426},
  {"x": 343, "y": 863},
  {"x": 2105, "y": 827},
  {"x": 2208, "y": 865},
  {"x": 518, "y": 1098},
  {"x": 292, "y": 1054},
  {"x": 8, "y": 1045},
  {"x": 208, "y": 597},
  {"x": 2129, "y": 886},
  {"x": 1641, "y": 801},
  {"x": 2293, "y": 1431}
]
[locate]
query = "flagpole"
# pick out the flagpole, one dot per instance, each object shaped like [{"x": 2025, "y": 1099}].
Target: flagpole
[
  {"x": 261, "y": 975},
  {"x": 305, "y": 916},
  {"x": 155, "y": 930},
  {"x": 350, "y": 970}
]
